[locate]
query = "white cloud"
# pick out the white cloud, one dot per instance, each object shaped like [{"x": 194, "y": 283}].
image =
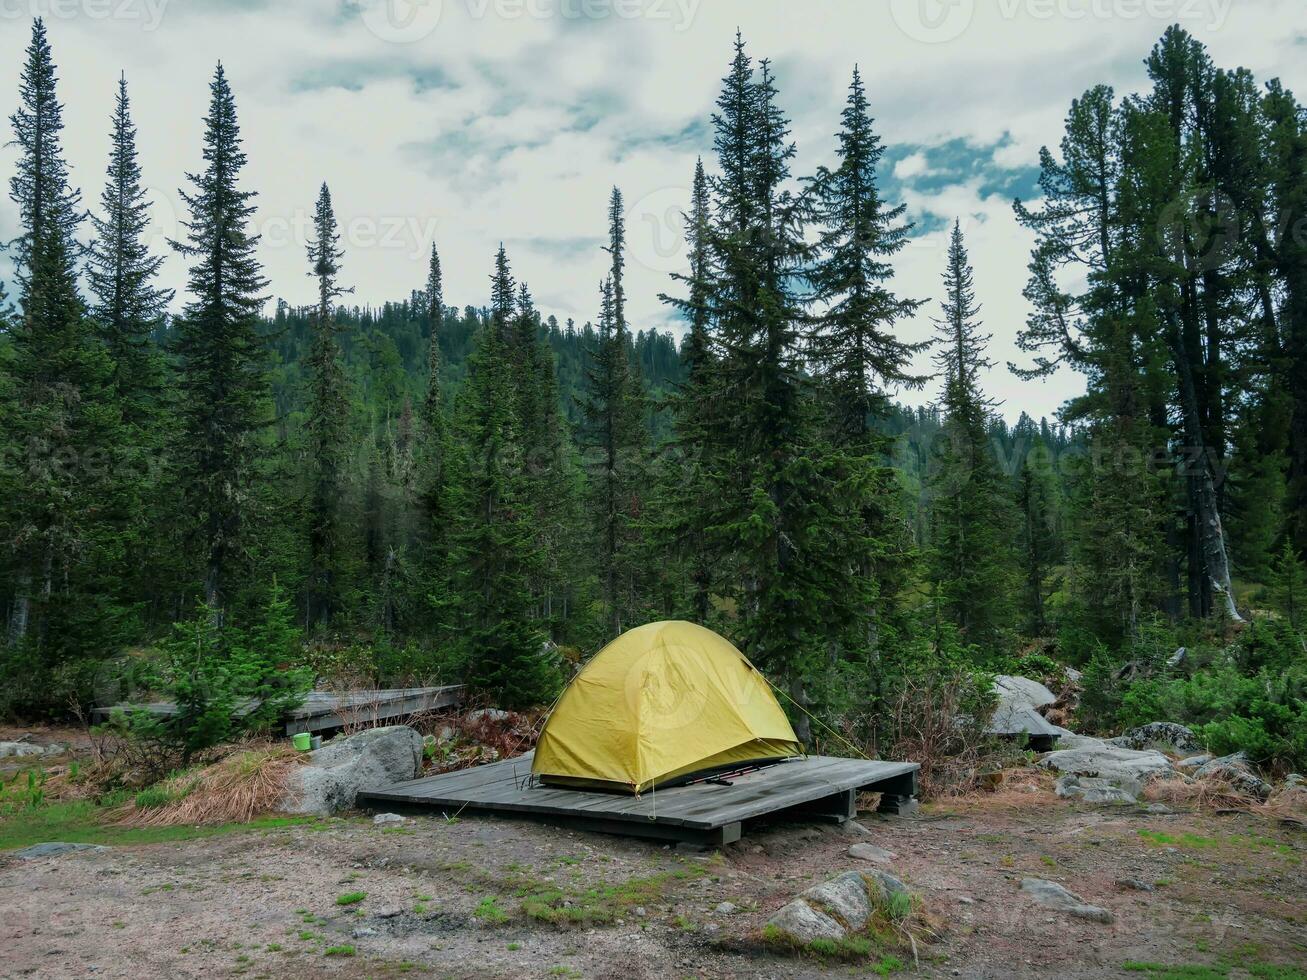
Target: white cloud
[{"x": 511, "y": 120}]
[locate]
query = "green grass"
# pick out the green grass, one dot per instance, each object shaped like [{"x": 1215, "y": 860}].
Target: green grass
[
  {"x": 489, "y": 912},
  {"x": 1179, "y": 840},
  {"x": 603, "y": 903},
  {"x": 1220, "y": 971},
  {"x": 338, "y": 951},
  {"x": 351, "y": 898},
  {"x": 80, "y": 822},
  {"x": 1159, "y": 971}
]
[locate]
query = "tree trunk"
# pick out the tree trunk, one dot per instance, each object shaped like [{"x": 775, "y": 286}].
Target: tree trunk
[{"x": 1207, "y": 515}]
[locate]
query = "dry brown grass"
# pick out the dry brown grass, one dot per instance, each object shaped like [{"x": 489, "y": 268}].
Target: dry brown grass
[
  {"x": 1016, "y": 788},
  {"x": 248, "y": 783},
  {"x": 1208, "y": 793}
]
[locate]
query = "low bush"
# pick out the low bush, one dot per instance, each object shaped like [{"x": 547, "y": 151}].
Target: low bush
[
  {"x": 226, "y": 682},
  {"x": 1245, "y": 695}
]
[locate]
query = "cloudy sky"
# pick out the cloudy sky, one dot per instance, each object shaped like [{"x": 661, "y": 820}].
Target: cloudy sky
[{"x": 468, "y": 122}]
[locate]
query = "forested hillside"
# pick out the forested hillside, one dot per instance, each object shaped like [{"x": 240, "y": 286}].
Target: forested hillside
[{"x": 215, "y": 488}]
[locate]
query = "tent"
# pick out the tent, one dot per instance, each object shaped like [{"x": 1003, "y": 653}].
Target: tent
[{"x": 660, "y": 702}]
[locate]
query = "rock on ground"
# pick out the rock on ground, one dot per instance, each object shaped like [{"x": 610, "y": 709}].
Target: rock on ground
[
  {"x": 1236, "y": 771},
  {"x": 870, "y": 852},
  {"x": 835, "y": 908},
  {"x": 845, "y": 897},
  {"x": 1161, "y": 734},
  {"x": 24, "y": 750},
  {"x": 1067, "y": 739},
  {"x": 55, "y": 847},
  {"x": 1193, "y": 761},
  {"x": 342, "y": 768},
  {"x": 800, "y": 923},
  {"x": 1114, "y": 764},
  {"x": 1022, "y": 691},
  {"x": 487, "y": 714},
  {"x": 1094, "y": 790},
  {"x": 1054, "y": 896}
]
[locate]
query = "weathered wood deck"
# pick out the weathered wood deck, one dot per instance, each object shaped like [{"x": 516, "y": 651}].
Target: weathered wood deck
[
  {"x": 818, "y": 787},
  {"x": 325, "y": 710}
]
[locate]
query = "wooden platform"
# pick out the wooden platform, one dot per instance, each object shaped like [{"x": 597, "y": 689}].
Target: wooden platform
[
  {"x": 326, "y": 710},
  {"x": 816, "y": 787}
]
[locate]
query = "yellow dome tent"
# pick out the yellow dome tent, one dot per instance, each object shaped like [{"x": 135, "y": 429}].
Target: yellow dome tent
[{"x": 661, "y": 701}]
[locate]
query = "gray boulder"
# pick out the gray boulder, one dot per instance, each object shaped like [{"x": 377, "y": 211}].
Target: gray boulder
[
  {"x": 843, "y": 897},
  {"x": 1092, "y": 789},
  {"x": 487, "y": 714},
  {"x": 835, "y": 908},
  {"x": 1193, "y": 762},
  {"x": 1161, "y": 734},
  {"x": 28, "y": 750},
  {"x": 800, "y": 923},
  {"x": 1117, "y": 765},
  {"x": 1067, "y": 739},
  {"x": 870, "y": 852},
  {"x": 1054, "y": 896},
  {"x": 1022, "y": 691},
  {"x": 55, "y": 847},
  {"x": 1235, "y": 770},
  {"x": 882, "y": 884},
  {"x": 341, "y": 769}
]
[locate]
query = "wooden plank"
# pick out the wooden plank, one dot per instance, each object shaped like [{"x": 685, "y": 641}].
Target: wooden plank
[
  {"x": 823, "y": 784},
  {"x": 322, "y": 710}
]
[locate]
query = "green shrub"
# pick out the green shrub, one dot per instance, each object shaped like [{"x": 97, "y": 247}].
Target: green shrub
[
  {"x": 224, "y": 680},
  {"x": 1247, "y": 696}
]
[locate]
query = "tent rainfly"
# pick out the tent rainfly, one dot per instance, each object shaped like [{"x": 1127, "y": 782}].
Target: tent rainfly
[{"x": 661, "y": 702}]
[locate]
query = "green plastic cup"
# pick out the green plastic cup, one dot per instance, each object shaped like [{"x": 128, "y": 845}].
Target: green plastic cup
[{"x": 302, "y": 741}]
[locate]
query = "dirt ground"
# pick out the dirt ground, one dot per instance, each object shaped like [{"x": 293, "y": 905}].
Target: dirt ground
[{"x": 483, "y": 897}]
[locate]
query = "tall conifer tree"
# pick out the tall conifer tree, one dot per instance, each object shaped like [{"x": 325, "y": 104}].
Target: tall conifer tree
[
  {"x": 972, "y": 520},
  {"x": 222, "y": 379},
  {"x": 328, "y": 420},
  {"x": 122, "y": 273},
  {"x": 63, "y": 502},
  {"x": 861, "y": 359},
  {"x": 613, "y": 435},
  {"x": 497, "y": 553}
]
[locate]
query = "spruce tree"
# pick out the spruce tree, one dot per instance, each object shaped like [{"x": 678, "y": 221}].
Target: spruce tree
[
  {"x": 860, "y": 358},
  {"x": 328, "y": 421},
  {"x": 613, "y": 437},
  {"x": 687, "y": 476},
  {"x": 222, "y": 382},
  {"x": 128, "y": 306},
  {"x": 854, "y": 344},
  {"x": 497, "y": 553},
  {"x": 64, "y": 500},
  {"x": 780, "y": 520},
  {"x": 1037, "y": 507},
  {"x": 972, "y": 525},
  {"x": 433, "y": 489}
]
